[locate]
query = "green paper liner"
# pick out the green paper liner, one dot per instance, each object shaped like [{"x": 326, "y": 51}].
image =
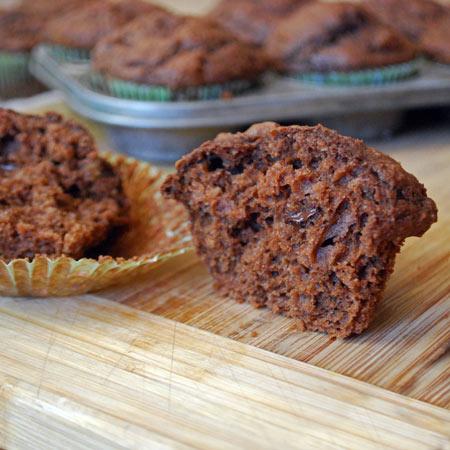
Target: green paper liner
[
  {"x": 15, "y": 78},
  {"x": 380, "y": 75},
  {"x": 135, "y": 91},
  {"x": 65, "y": 54},
  {"x": 159, "y": 231}
]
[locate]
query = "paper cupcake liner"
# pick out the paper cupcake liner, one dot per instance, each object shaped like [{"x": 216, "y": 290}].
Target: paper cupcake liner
[
  {"x": 160, "y": 230},
  {"x": 134, "y": 91},
  {"x": 15, "y": 79},
  {"x": 65, "y": 54},
  {"x": 380, "y": 75}
]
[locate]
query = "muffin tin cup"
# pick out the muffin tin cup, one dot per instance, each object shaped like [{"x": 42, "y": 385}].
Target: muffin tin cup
[
  {"x": 15, "y": 79},
  {"x": 65, "y": 54},
  {"x": 134, "y": 91},
  {"x": 159, "y": 231},
  {"x": 380, "y": 75}
]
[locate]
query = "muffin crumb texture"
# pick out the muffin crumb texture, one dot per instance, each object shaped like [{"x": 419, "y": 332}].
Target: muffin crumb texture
[
  {"x": 300, "y": 219},
  {"x": 57, "y": 196}
]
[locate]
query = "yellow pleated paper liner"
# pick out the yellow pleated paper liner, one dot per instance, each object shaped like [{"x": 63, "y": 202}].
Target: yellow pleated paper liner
[{"x": 159, "y": 230}]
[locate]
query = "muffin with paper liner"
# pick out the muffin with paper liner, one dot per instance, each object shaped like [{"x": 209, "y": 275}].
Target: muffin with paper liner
[
  {"x": 73, "y": 221},
  {"x": 340, "y": 43},
  {"x": 22, "y": 28}
]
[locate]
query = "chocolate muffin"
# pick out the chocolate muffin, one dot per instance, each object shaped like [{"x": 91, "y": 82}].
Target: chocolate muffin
[
  {"x": 177, "y": 53},
  {"x": 301, "y": 220},
  {"x": 82, "y": 29},
  {"x": 50, "y": 8},
  {"x": 22, "y": 27},
  {"x": 425, "y": 22},
  {"x": 325, "y": 37},
  {"x": 57, "y": 196},
  {"x": 20, "y": 30},
  {"x": 253, "y": 20}
]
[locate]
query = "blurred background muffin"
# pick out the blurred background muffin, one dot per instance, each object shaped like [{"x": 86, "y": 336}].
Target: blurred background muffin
[
  {"x": 425, "y": 22},
  {"x": 342, "y": 37},
  {"x": 253, "y": 20},
  {"x": 75, "y": 33},
  {"x": 167, "y": 57},
  {"x": 21, "y": 28}
]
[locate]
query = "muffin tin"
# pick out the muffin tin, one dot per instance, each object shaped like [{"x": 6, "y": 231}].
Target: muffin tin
[{"x": 164, "y": 131}]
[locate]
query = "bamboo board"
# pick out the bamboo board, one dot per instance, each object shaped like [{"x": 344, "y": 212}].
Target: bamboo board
[
  {"x": 89, "y": 373},
  {"x": 166, "y": 363}
]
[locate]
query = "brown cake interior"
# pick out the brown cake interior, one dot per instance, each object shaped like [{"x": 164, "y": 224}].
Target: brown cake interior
[
  {"x": 57, "y": 196},
  {"x": 300, "y": 219}
]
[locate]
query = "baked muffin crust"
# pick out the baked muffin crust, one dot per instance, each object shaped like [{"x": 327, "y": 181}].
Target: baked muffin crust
[
  {"x": 323, "y": 37},
  {"x": 23, "y": 26},
  {"x": 177, "y": 52},
  {"x": 86, "y": 26},
  {"x": 253, "y": 20},
  {"x": 425, "y": 22}
]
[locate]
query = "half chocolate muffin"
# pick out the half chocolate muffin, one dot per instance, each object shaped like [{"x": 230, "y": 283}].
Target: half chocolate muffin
[{"x": 300, "y": 219}]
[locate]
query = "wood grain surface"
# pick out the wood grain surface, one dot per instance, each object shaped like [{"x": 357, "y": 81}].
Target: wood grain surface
[
  {"x": 405, "y": 350},
  {"x": 87, "y": 373},
  {"x": 164, "y": 362}
]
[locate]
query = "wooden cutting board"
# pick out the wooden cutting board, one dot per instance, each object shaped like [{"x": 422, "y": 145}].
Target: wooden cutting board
[{"x": 166, "y": 363}]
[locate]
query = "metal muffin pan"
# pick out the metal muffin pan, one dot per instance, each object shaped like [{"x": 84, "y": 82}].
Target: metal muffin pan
[{"x": 163, "y": 132}]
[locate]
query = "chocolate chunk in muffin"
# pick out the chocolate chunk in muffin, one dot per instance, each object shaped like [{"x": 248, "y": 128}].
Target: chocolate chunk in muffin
[
  {"x": 84, "y": 27},
  {"x": 57, "y": 196},
  {"x": 253, "y": 20},
  {"x": 177, "y": 52},
  {"x": 425, "y": 22},
  {"x": 300, "y": 219},
  {"x": 323, "y": 37}
]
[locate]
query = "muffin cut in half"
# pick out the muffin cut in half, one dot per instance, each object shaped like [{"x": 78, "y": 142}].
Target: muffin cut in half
[
  {"x": 341, "y": 37},
  {"x": 300, "y": 219},
  {"x": 74, "y": 221},
  {"x": 57, "y": 196}
]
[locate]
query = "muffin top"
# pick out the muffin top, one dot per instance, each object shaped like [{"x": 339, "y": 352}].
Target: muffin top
[
  {"x": 253, "y": 20},
  {"x": 57, "y": 196},
  {"x": 435, "y": 42},
  {"x": 22, "y": 27},
  {"x": 177, "y": 52},
  {"x": 342, "y": 36},
  {"x": 425, "y": 22},
  {"x": 50, "y": 7},
  {"x": 83, "y": 28},
  {"x": 20, "y": 31}
]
